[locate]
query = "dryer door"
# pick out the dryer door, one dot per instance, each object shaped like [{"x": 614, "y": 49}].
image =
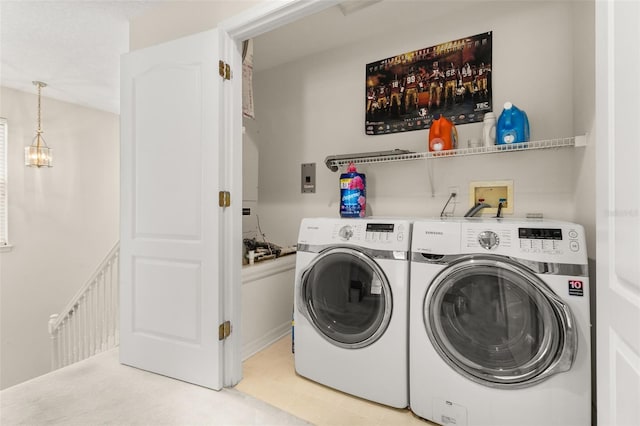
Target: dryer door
[
  {"x": 497, "y": 323},
  {"x": 346, "y": 297}
]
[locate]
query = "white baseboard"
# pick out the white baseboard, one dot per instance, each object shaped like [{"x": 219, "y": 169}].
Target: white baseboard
[{"x": 255, "y": 346}]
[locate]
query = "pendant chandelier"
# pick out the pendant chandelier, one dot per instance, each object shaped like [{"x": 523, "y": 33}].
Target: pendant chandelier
[{"x": 38, "y": 154}]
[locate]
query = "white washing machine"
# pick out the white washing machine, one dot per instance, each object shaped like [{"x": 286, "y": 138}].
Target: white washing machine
[
  {"x": 351, "y": 306},
  {"x": 499, "y": 323}
]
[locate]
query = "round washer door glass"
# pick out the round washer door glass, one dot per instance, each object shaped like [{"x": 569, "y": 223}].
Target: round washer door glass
[
  {"x": 346, "y": 297},
  {"x": 493, "y": 322}
]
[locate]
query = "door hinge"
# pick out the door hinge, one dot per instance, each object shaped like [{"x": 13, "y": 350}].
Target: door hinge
[
  {"x": 224, "y": 198},
  {"x": 224, "y": 70},
  {"x": 224, "y": 330}
]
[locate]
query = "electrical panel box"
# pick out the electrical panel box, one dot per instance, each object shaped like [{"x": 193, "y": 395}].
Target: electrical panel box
[{"x": 308, "y": 183}]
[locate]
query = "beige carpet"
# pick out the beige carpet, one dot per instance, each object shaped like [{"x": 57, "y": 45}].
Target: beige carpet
[
  {"x": 101, "y": 391},
  {"x": 270, "y": 376}
]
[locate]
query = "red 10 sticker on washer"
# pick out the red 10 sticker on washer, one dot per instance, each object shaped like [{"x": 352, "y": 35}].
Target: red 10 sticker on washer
[{"x": 576, "y": 288}]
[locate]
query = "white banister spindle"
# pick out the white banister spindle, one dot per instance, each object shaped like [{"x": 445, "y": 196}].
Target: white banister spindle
[
  {"x": 111, "y": 307},
  {"x": 104, "y": 302},
  {"x": 103, "y": 313},
  {"x": 85, "y": 327},
  {"x": 65, "y": 342},
  {"x": 89, "y": 323},
  {"x": 54, "y": 341},
  {"x": 76, "y": 333},
  {"x": 71, "y": 336},
  {"x": 95, "y": 297},
  {"x": 98, "y": 296},
  {"x": 116, "y": 299},
  {"x": 80, "y": 319},
  {"x": 56, "y": 359},
  {"x": 91, "y": 332}
]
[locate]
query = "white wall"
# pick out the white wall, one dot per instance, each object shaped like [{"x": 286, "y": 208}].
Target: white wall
[
  {"x": 312, "y": 108},
  {"x": 584, "y": 85},
  {"x": 62, "y": 222}
]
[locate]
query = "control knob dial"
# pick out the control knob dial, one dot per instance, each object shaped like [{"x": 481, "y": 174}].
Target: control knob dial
[
  {"x": 488, "y": 239},
  {"x": 346, "y": 232}
]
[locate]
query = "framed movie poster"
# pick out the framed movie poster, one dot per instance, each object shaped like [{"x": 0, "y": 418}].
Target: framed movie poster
[{"x": 406, "y": 92}]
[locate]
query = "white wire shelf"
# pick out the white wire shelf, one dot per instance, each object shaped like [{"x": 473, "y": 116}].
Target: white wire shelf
[{"x": 343, "y": 160}]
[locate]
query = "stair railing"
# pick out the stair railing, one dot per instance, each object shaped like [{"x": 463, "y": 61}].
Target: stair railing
[{"x": 89, "y": 323}]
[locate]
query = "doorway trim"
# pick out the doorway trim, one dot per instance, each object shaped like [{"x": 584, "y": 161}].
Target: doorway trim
[{"x": 253, "y": 22}]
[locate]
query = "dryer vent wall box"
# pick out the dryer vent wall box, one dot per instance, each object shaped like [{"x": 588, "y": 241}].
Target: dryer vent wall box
[{"x": 308, "y": 176}]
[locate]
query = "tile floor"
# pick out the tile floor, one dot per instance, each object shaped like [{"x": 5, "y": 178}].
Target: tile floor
[{"x": 270, "y": 376}]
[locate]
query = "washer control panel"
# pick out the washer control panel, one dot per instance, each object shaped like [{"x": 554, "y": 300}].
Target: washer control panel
[
  {"x": 376, "y": 233},
  {"x": 549, "y": 240},
  {"x": 552, "y": 240}
]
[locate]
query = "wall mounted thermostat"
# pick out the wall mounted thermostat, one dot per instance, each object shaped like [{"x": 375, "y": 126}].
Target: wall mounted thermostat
[{"x": 308, "y": 177}]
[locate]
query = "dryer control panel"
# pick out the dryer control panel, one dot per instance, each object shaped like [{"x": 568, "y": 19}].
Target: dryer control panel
[
  {"x": 370, "y": 232},
  {"x": 381, "y": 234},
  {"x": 373, "y": 235}
]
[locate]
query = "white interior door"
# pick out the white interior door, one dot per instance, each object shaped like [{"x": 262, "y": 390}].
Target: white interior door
[
  {"x": 171, "y": 173},
  {"x": 618, "y": 220}
]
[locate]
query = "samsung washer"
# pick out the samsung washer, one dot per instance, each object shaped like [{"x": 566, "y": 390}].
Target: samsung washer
[
  {"x": 499, "y": 323},
  {"x": 351, "y": 306}
]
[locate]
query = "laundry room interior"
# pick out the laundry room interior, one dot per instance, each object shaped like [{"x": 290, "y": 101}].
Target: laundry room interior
[
  {"x": 323, "y": 302},
  {"x": 313, "y": 107}
]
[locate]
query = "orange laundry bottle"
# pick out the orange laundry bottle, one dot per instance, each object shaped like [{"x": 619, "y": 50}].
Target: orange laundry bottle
[{"x": 443, "y": 135}]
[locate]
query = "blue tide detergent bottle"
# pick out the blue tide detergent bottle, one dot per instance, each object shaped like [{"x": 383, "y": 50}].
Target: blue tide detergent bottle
[
  {"x": 513, "y": 125},
  {"x": 353, "y": 198}
]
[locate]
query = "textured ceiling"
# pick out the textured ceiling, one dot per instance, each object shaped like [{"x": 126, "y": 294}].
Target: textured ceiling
[{"x": 73, "y": 46}]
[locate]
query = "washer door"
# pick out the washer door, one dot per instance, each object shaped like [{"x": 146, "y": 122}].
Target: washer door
[
  {"x": 346, "y": 297},
  {"x": 497, "y": 323}
]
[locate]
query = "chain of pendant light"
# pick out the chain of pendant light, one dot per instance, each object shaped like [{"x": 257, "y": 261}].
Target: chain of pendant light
[{"x": 39, "y": 131}]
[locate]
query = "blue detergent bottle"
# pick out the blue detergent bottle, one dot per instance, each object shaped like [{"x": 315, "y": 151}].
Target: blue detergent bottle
[
  {"x": 353, "y": 198},
  {"x": 513, "y": 126}
]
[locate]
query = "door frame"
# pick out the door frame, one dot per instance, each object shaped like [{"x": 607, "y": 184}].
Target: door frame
[{"x": 258, "y": 20}]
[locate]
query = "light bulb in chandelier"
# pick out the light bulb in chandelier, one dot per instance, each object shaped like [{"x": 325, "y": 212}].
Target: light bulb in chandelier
[{"x": 38, "y": 154}]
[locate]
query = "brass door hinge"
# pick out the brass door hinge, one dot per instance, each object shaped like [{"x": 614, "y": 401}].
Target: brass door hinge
[
  {"x": 224, "y": 330},
  {"x": 224, "y": 198},
  {"x": 224, "y": 70}
]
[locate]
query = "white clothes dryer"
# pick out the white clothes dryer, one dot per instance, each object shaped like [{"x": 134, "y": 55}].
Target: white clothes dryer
[
  {"x": 499, "y": 323},
  {"x": 351, "y": 306}
]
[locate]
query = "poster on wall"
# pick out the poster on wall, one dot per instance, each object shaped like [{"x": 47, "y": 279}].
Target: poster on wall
[{"x": 408, "y": 91}]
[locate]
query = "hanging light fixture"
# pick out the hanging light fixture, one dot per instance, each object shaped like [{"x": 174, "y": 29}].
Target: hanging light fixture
[{"x": 38, "y": 154}]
